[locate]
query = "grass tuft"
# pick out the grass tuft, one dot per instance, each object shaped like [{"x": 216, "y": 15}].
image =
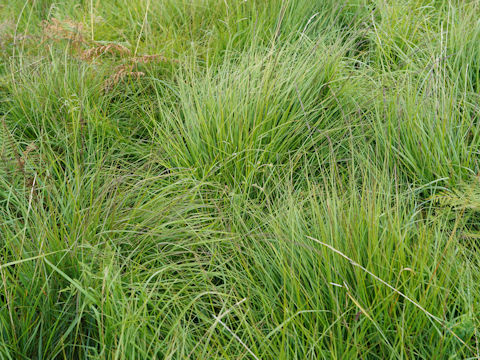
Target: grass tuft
[{"x": 210, "y": 179}]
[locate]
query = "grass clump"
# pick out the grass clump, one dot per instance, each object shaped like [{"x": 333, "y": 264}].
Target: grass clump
[{"x": 216, "y": 179}]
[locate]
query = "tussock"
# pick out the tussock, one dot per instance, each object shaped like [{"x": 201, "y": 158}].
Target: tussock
[{"x": 302, "y": 184}]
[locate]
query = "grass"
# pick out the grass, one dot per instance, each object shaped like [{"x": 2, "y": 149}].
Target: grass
[{"x": 216, "y": 179}]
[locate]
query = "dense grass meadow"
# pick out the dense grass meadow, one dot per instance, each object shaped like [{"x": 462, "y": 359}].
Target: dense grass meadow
[{"x": 230, "y": 179}]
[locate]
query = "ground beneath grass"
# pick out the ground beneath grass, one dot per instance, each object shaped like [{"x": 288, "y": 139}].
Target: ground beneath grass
[{"x": 227, "y": 179}]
